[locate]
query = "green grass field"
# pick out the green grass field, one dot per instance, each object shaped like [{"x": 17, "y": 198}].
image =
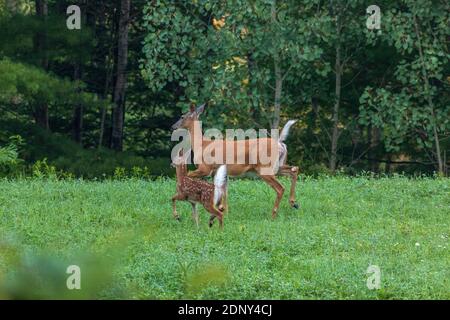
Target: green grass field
[{"x": 127, "y": 244}]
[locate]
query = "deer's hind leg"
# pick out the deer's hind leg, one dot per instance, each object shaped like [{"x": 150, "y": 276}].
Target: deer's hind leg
[
  {"x": 194, "y": 212},
  {"x": 223, "y": 206},
  {"x": 292, "y": 172},
  {"x": 279, "y": 189},
  {"x": 215, "y": 213}
]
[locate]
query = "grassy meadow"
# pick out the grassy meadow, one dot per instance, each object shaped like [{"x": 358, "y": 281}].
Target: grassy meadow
[{"x": 123, "y": 237}]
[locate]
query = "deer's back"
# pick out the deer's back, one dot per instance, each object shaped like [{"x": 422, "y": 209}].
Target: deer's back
[{"x": 240, "y": 156}]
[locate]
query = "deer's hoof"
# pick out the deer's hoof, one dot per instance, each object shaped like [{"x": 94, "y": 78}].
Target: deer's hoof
[
  {"x": 178, "y": 219},
  {"x": 295, "y": 206}
]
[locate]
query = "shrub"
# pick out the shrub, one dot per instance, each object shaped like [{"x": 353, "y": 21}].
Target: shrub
[
  {"x": 10, "y": 163},
  {"x": 69, "y": 159}
]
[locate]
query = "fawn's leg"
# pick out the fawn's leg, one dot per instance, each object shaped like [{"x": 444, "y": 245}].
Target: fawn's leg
[
  {"x": 194, "y": 212},
  {"x": 211, "y": 220},
  {"x": 223, "y": 205},
  {"x": 174, "y": 207},
  {"x": 215, "y": 213},
  {"x": 279, "y": 189},
  {"x": 293, "y": 173}
]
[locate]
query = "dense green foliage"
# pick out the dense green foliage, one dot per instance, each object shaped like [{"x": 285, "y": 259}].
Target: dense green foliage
[
  {"x": 238, "y": 55},
  {"x": 124, "y": 230},
  {"x": 26, "y": 87},
  {"x": 66, "y": 158},
  {"x": 414, "y": 103},
  {"x": 366, "y": 100}
]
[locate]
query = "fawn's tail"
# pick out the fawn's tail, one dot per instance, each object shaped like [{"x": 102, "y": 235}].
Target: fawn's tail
[
  {"x": 220, "y": 183},
  {"x": 285, "y": 132}
]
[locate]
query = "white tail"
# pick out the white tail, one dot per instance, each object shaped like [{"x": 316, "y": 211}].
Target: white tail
[
  {"x": 285, "y": 132},
  {"x": 220, "y": 183}
]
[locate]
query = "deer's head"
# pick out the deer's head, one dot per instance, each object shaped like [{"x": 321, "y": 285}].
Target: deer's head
[
  {"x": 188, "y": 118},
  {"x": 179, "y": 162},
  {"x": 180, "y": 159}
]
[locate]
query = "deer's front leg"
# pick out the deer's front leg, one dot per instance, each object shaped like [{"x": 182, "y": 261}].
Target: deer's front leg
[{"x": 174, "y": 207}]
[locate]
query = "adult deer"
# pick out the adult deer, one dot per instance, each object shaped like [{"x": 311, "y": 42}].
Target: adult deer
[{"x": 245, "y": 155}]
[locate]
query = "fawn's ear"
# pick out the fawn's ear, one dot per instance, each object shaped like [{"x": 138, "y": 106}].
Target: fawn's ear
[{"x": 200, "y": 109}]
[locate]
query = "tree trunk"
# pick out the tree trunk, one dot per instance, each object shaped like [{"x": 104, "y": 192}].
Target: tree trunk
[
  {"x": 108, "y": 80},
  {"x": 278, "y": 76},
  {"x": 77, "y": 124},
  {"x": 337, "y": 102},
  {"x": 437, "y": 142},
  {"x": 109, "y": 67},
  {"x": 387, "y": 169},
  {"x": 374, "y": 142},
  {"x": 121, "y": 81},
  {"x": 429, "y": 99},
  {"x": 102, "y": 127},
  {"x": 41, "y": 113},
  {"x": 41, "y": 43}
]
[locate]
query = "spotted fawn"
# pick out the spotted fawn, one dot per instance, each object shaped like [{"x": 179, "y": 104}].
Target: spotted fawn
[{"x": 211, "y": 196}]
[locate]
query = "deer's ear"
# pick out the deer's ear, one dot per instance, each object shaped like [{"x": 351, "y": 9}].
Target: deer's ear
[
  {"x": 192, "y": 107},
  {"x": 200, "y": 109}
]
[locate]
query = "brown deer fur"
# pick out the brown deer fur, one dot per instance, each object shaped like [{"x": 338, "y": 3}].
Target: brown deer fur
[
  {"x": 196, "y": 191},
  {"x": 190, "y": 122}
]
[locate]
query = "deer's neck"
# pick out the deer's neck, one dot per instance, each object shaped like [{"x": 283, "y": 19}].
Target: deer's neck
[
  {"x": 180, "y": 174},
  {"x": 196, "y": 135}
]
